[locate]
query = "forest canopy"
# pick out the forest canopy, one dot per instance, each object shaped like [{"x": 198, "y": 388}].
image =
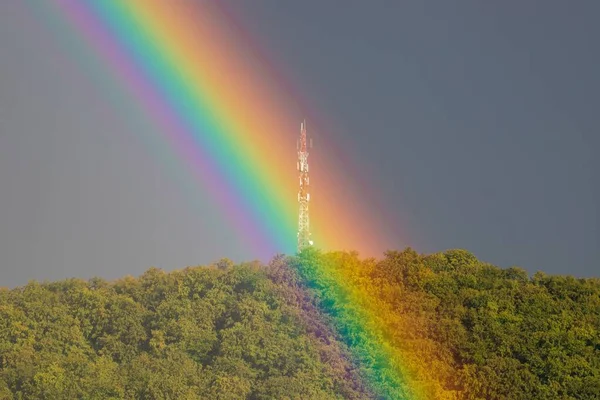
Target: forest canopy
[{"x": 312, "y": 326}]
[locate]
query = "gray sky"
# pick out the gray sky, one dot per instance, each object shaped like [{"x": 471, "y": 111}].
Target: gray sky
[{"x": 478, "y": 122}]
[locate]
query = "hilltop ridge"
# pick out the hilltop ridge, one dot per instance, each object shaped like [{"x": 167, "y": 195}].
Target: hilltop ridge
[{"x": 317, "y": 325}]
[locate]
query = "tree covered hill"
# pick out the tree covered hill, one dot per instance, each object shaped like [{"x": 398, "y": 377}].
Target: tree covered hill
[{"x": 312, "y": 326}]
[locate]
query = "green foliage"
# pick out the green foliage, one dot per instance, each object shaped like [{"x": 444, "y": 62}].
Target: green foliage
[
  {"x": 314, "y": 326},
  {"x": 222, "y": 332},
  {"x": 461, "y": 328}
]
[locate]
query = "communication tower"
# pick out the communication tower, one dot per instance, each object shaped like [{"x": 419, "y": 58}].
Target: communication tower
[{"x": 303, "y": 193}]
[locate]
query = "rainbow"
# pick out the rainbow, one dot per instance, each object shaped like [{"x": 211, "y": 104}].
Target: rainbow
[
  {"x": 233, "y": 123},
  {"x": 365, "y": 335},
  {"x": 229, "y": 119}
]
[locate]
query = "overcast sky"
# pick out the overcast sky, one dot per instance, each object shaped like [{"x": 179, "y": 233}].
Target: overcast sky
[{"x": 478, "y": 122}]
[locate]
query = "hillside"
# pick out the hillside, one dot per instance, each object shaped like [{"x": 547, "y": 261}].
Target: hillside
[{"x": 315, "y": 326}]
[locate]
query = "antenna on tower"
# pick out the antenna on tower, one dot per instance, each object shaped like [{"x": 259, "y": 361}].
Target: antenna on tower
[{"x": 303, "y": 193}]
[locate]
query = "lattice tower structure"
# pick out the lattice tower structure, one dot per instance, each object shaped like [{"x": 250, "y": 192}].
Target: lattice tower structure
[{"x": 303, "y": 192}]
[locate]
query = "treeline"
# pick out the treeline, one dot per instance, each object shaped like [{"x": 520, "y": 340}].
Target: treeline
[
  {"x": 312, "y": 326},
  {"x": 452, "y": 327},
  {"x": 218, "y": 332}
]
